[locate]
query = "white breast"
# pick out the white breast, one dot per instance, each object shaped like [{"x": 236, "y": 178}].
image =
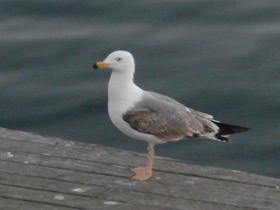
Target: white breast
[{"x": 121, "y": 97}]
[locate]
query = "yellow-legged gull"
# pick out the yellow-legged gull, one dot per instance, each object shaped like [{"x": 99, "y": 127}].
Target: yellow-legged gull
[{"x": 152, "y": 117}]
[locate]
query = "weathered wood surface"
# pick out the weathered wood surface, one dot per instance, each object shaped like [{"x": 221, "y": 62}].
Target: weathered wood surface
[{"x": 49, "y": 173}]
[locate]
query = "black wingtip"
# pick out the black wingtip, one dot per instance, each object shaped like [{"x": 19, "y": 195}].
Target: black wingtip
[
  {"x": 227, "y": 129},
  {"x": 222, "y": 138}
]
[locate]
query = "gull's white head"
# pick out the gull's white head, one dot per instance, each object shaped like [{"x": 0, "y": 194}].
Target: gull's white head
[{"x": 120, "y": 61}]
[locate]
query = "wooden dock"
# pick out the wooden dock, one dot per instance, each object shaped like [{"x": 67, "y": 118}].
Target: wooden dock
[{"x": 41, "y": 173}]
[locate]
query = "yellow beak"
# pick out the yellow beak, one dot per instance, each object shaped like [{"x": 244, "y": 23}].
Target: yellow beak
[{"x": 100, "y": 64}]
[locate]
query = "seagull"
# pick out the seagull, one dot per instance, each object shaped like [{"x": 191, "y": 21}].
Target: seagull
[{"x": 152, "y": 117}]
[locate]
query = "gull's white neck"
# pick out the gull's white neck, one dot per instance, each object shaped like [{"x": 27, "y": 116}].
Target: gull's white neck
[{"x": 122, "y": 92}]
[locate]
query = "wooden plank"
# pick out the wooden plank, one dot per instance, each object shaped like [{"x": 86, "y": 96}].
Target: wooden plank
[
  {"x": 51, "y": 185},
  {"x": 61, "y": 200},
  {"x": 214, "y": 192},
  {"x": 67, "y": 163},
  {"x": 15, "y": 204},
  {"x": 26, "y": 136},
  {"x": 121, "y": 195},
  {"x": 110, "y": 194},
  {"x": 119, "y": 157},
  {"x": 100, "y": 168},
  {"x": 55, "y": 174},
  {"x": 166, "y": 201}
]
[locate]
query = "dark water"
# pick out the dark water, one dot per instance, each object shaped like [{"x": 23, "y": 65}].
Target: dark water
[{"x": 220, "y": 57}]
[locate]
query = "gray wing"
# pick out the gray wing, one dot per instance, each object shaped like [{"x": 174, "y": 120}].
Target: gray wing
[
  {"x": 163, "y": 117},
  {"x": 171, "y": 100},
  {"x": 205, "y": 119}
]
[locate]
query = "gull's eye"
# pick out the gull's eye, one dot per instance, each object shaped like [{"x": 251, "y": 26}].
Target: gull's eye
[{"x": 118, "y": 59}]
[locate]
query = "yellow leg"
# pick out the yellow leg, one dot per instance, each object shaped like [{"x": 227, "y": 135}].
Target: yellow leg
[{"x": 144, "y": 173}]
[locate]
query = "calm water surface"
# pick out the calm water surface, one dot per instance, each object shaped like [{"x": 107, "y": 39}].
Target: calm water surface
[{"x": 219, "y": 57}]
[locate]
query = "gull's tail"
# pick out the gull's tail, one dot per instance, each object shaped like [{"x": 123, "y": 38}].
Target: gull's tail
[{"x": 226, "y": 129}]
